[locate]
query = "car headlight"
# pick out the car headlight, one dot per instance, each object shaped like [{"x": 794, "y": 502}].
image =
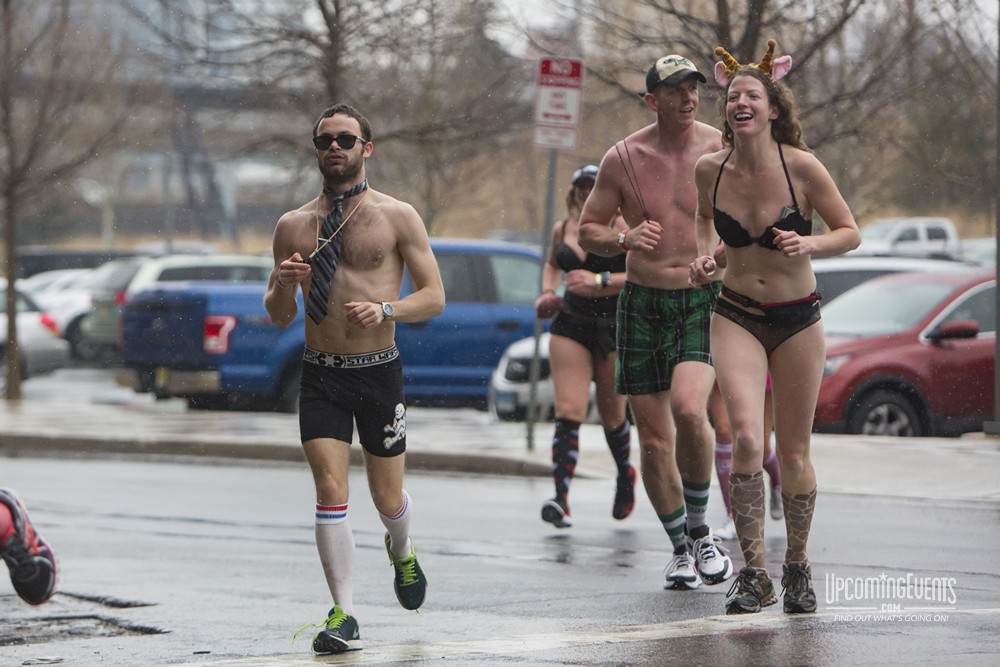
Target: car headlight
[
  {"x": 834, "y": 364},
  {"x": 519, "y": 370}
]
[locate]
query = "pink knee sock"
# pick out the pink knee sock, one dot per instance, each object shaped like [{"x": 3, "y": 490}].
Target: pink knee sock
[
  {"x": 772, "y": 468},
  {"x": 723, "y": 464}
]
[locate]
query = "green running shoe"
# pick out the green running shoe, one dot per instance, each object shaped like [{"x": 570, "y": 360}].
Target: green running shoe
[
  {"x": 339, "y": 634},
  {"x": 410, "y": 583}
]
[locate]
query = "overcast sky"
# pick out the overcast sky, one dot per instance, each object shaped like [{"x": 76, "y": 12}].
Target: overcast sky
[{"x": 536, "y": 13}]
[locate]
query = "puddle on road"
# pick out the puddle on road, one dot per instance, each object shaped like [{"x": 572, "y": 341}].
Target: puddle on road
[
  {"x": 57, "y": 628},
  {"x": 19, "y": 627}
]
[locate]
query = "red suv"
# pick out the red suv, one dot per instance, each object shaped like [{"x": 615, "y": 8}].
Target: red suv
[{"x": 911, "y": 354}]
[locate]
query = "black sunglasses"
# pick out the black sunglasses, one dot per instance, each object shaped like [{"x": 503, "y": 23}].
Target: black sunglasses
[{"x": 345, "y": 141}]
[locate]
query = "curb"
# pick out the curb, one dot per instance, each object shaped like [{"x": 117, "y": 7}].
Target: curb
[{"x": 14, "y": 445}]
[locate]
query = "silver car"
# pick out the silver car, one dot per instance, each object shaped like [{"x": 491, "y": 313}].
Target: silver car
[
  {"x": 99, "y": 330},
  {"x": 510, "y": 386},
  {"x": 40, "y": 345}
]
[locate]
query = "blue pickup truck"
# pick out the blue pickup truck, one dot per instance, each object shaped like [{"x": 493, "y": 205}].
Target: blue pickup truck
[{"x": 214, "y": 345}]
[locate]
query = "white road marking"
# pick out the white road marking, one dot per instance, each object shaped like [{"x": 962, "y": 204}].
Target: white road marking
[{"x": 695, "y": 627}]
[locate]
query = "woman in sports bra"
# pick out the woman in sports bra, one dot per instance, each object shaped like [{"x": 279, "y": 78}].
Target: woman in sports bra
[
  {"x": 758, "y": 196},
  {"x": 581, "y": 349}
]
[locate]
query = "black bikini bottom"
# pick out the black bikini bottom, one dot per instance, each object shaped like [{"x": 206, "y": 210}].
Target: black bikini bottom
[{"x": 779, "y": 322}]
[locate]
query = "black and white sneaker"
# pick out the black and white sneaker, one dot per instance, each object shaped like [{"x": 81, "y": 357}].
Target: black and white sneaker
[
  {"x": 711, "y": 559},
  {"x": 681, "y": 574}
]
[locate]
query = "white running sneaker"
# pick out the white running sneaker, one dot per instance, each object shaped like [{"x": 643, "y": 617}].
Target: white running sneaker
[
  {"x": 728, "y": 531},
  {"x": 777, "y": 507},
  {"x": 681, "y": 574},
  {"x": 711, "y": 559}
]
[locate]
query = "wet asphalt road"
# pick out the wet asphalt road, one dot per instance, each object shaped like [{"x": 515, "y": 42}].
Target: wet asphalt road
[{"x": 221, "y": 565}]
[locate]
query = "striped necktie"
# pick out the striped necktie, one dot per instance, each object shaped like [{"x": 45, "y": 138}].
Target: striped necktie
[{"x": 325, "y": 262}]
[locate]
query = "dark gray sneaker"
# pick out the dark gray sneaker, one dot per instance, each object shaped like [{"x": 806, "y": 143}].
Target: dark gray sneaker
[
  {"x": 556, "y": 512},
  {"x": 339, "y": 634},
  {"x": 31, "y": 561},
  {"x": 798, "y": 594},
  {"x": 751, "y": 591},
  {"x": 410, "y": 583}
]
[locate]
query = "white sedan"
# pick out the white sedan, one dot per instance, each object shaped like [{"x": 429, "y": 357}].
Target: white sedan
[
  {"x": 510, "y": 387},
  {"x": 40, "y": 345}
]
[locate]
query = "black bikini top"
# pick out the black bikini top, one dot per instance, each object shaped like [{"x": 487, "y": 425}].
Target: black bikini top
[
  {"x": 567, "y": 259},
  {"x": 734, "y": 235}
]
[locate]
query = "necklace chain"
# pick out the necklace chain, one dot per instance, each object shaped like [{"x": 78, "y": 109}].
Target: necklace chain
[{"x": 337, "y": 230}]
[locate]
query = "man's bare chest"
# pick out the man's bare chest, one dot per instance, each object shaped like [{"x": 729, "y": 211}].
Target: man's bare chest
[{"x": 366, "y": 246}]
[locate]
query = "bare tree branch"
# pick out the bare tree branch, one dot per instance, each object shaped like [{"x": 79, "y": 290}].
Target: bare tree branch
[{"x": 57, "y": 112}]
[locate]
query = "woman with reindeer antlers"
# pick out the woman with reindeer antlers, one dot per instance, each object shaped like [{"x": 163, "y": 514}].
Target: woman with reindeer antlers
[{"x": 759, "y": 195}]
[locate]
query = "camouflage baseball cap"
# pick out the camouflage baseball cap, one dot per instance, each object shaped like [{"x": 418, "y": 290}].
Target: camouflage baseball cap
[{"x": 670, "y": 71}]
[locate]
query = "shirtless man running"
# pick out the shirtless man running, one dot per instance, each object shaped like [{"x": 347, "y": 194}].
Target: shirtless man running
[
  {"x": 351, "y": 368},
  {"x": 664, "y": 364}
]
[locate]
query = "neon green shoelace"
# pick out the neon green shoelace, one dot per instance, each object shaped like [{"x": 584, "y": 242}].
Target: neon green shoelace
[
  {"x": 335, "y": 621},
  {"x": 332, "y": 622},
  {"x": 407, "y": 571}
]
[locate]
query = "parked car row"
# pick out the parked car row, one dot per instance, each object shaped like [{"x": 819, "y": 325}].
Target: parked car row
[
  {"x": 86, "y": 304},
  {"x": 897, "y": 350},
  {"x": 101, "y": 328},
  {"x": 215, "y": 346},
  {"x": 907, "y": 355}
]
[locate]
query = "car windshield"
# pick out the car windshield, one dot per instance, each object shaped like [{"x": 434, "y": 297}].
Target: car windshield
[
  {"x": 24, "y": 303},
  {"x": 878, "y": 230},
  {"x": 879, "y": 307}
]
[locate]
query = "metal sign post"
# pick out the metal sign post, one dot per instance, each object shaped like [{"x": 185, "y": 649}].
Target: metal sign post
[{"x": 557, "y": 119}]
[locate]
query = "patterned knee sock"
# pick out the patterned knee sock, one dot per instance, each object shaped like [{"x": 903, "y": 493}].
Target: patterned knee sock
[
  {"x": 398, "y": 526},
  {"x": 799, "y": 508},
  {"x": 773, "y": 469},
  {"x": 747, "y": 493},
  {"x": 335, "y": 542},
  {"x": 565, "y": 453},
  {"x": 696, "y": 502},
  {"x": 620, "y": 444},
  {"x": 723, "y": 464},
  {"x": 673, "y": 523}
]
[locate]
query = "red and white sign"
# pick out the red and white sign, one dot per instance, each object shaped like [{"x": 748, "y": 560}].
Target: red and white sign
[{"x": 557, "y": 102}]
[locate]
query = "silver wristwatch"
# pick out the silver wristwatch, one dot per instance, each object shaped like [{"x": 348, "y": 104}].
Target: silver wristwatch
[{"x": 387, "y": 310}]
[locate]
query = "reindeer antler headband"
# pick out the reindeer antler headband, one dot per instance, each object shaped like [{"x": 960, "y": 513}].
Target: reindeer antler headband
[{"x": 774, "y": 68}]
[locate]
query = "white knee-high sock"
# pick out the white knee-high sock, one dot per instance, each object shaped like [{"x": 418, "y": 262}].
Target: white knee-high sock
[
  {"x": 398, "y": 525},
  {"x": 335, "y": 542}
]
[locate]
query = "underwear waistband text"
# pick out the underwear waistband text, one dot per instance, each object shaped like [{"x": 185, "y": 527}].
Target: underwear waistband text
[{"x": 350, "y": 360}]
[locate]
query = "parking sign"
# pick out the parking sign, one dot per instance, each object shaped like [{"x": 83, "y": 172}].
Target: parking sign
[{"x": 557, "y": 102}]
